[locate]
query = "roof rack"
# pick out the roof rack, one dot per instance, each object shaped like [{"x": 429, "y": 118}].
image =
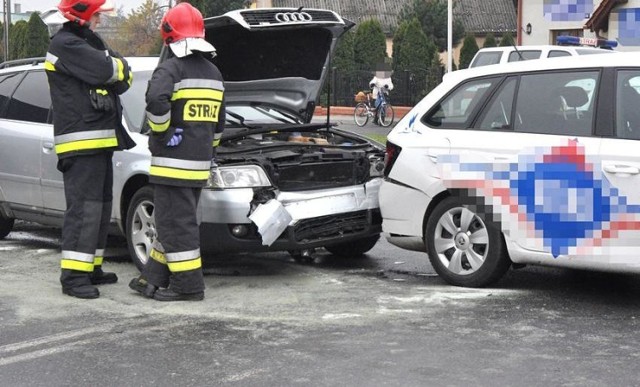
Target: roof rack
[
  {"x": 565, "y": 40},
  {"x": 18, "y": 62}
]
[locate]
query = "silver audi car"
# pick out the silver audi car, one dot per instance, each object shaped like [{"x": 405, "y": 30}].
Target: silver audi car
[{"x": 282, "y": 183}]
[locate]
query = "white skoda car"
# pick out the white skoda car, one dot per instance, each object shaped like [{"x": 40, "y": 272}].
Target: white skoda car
[{"x": 534, "y": 162}]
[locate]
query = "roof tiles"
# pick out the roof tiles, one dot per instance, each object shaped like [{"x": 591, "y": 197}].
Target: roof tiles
[{"x": 477, "y": 16}]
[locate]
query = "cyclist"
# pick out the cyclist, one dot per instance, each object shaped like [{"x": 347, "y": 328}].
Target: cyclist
[{"x": 381, "y": 84}]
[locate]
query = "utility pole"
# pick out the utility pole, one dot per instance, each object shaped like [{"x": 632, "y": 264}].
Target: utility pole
[
  {"x": 7, "y": 22},
  {"x": 449, "y": 35}
]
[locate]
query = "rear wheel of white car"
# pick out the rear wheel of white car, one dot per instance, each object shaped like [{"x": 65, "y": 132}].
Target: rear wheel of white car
[
  {"x": 141, "y": 226},
  {"x": 361, "y": 114},
  {"x": 463, "y": 248},
  {"x": 354, "y": 248},
  {"x": 6, "y": 225}
]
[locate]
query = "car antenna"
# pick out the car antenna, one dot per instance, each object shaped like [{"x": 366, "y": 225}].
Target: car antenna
[
  {"x": 329, "y": 80},
  {"x": 517, "y": 51}
]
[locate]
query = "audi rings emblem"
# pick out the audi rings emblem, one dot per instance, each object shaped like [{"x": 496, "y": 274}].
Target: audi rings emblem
[{"x": 286, "y": 17}]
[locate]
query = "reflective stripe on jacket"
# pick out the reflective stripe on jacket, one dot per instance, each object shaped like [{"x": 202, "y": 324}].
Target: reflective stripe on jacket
[
  {"x": 186, "y": 93},
  {"x": 77, "y": 62}
]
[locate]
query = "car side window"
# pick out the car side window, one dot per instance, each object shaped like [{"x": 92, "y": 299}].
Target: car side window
[
  {"x": 516, "y": 56},
  {"x": 486, "y": 58},
  {"x": 31, "y": 100},
  {"x": 455, "y": 111},
  {"x": 557, "y": 54},
  {"x": 628, "y": 104},
  {"x": 497, "y": 114},
  {"x": 8, "y": 84},
  {"x": 556, "y": 103}
]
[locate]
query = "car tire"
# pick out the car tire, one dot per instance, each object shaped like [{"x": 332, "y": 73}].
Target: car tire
[
  {"x": 141, "y": 226},
  {"x": 465, "y": 249},
  {"x": 355, "y": 248},
  {"x": 6, "y": 225}
]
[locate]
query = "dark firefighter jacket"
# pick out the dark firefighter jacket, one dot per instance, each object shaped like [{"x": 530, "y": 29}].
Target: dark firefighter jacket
[
  {"x": 184, "y": 93},
  {"x": 78, "y": 64}
]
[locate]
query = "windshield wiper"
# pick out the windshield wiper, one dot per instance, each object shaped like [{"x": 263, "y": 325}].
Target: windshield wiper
[
  {"x": 265, "y": 111},
  {"x": 240, "y": 120}
]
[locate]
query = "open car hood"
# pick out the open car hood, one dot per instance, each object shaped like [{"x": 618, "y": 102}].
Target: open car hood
[{"x": 277, "y": 57}]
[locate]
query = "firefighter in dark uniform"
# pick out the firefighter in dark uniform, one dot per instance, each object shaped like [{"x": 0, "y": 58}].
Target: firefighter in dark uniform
[
  {"x": 185, "y": 110},
  {"x": 85, "y": 78}
]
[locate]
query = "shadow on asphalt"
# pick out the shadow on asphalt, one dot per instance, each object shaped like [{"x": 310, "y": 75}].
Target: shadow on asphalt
[{"x": 575, "y": 285}]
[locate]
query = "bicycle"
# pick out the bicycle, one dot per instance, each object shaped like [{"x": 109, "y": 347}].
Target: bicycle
[{"x": 364, "y": 110}]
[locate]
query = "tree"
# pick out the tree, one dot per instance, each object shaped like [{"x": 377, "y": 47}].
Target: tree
[
  {"x": 343, "y": 58},
  {"x": 139, "y": 34},
  {"x": 218, "y": 7},
  {"x": 468, "y": 50},
  {"x": 414, "y": 50},
  {"x": 17, "y": 34},
  {"x": 432, "y": 15},
  {"x": 507, "y": 40},
  {"x": 490, "y": 41},
  {"x": 436, "y": 69},
  {"x": 414, "y": 53},
  {"x": 369, "y": 45},
  {"x": 36, "y": 40}
]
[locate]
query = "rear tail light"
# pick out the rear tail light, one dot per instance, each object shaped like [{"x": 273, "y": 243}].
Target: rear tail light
[{"x": 390, "y": 157}]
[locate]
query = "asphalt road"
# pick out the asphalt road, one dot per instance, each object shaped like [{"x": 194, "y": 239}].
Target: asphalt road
[
  {"x": 382, "y": 320},
  {"x": 347, "y": 123}
]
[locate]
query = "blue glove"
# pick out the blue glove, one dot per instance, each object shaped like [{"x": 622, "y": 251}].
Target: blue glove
[{"x": 176, "y": 139}]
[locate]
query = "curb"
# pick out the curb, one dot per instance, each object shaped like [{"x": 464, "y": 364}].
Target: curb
[{"x": 400, "y": 111}]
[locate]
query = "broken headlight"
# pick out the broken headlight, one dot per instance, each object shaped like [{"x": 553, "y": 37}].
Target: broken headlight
[
  {"x": 242, "y": 176},
  {"x": 377, "y": 166}
]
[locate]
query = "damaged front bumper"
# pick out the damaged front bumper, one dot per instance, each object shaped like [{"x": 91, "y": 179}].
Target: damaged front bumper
[{"x": 318, "y": 218}]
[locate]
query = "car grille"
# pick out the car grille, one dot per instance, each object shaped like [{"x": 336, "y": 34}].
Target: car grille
[
  {"x": 307, "y": 230},
  {"x": 321, "y": 175},
  {"x": 266, "y": 17}
]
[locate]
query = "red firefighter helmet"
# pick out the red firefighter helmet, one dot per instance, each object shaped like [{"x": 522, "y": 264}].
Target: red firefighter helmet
[
  {"x": 80, "y": 11},
  {"x": 181, "y": 22}
]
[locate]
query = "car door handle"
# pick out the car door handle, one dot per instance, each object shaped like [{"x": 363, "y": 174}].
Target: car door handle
[
  {"x": 47, "y": 145},
  {"x": 622, "y": 169}
]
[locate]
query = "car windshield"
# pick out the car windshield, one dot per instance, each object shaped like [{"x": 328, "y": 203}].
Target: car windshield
[
  {"x": 134, "y": 106},
  {"x": 254, "y": 114}
]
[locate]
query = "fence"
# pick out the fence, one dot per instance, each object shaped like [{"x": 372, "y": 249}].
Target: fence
[{"x": 409, "y": 86}]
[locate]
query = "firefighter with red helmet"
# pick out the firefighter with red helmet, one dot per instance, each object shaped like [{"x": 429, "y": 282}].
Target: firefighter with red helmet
[
  {"x": 85, "y": 78},
  {"x": 186, "y": 114}
]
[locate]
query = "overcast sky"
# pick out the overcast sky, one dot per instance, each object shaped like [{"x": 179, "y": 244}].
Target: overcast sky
[{"x": 43, "y": 5}]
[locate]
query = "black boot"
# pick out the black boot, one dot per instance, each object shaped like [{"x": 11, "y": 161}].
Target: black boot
[
  {"x": 143, "y": 287},
  {"x": 99, "y": 277},
  {"x": 170, "y": 295},
  {"x": 78, "y": 284}
]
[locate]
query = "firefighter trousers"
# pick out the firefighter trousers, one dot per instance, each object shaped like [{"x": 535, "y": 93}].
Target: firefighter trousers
[
  {"x": 175, "y": 260},
  {"x": 88, "y": 182}
]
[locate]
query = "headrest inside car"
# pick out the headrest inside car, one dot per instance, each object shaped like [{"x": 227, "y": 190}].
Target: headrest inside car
[{"x": 574, "y": 96}]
